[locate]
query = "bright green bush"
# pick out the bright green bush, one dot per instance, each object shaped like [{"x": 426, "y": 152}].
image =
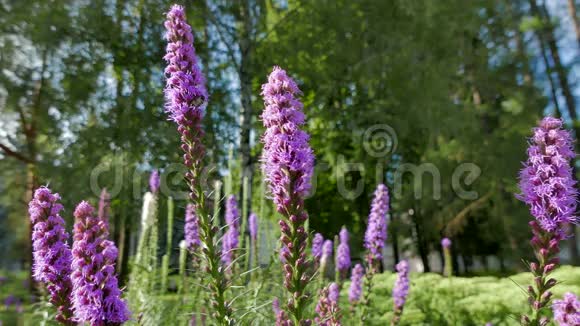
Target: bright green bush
[{"x": 435, "y": 300}]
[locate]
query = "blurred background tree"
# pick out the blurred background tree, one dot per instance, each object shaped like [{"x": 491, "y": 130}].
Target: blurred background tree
[{"x": 451, "y": 82}]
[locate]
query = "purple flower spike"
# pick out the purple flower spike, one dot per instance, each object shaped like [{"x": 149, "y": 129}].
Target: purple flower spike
[
  {"x": 191, "y": 228},
  {"x": 51, "y": 252},
  {"x": 326, "y": 255},
  {"x": 567, "y": 310},
  {"x": 230, "y": 241},
  {"x": 547, "y": 185},
  {"x": 400, "y": 290},
  {"x": 546, "y": 180},
  {"x": 185, "y": 93},
  {"x": 343, "y": 254},
  {"x": 446, "y": 243},
  {"x": 154, "y": 182},
  {"x": 287, "y": 158},
  {"x": 253, "y": 226},
  {"x": 287, "y": 163},
  {"x": 185, "y": 101},
  {"x": 356, "y": 283},
  {"x": 96, "y": 295},
  {"x": 317, "y": 243},
  {"x": 376, "y": 233},
  {"x": 327, "y": 308},
  {"x": 343, "y": 235}
]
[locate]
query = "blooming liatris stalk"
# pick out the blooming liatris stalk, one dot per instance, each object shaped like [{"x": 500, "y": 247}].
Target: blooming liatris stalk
[
  {"x": 287, "y": 163},
  {"x": 448, "y": 265},
  {"x": 400, "y": 290},
  {"x": 548, "y": 187},
  {"x": 326, "y": 256},
  {"x": 186, "y": 98},
  {"x": 51, "y": 252},
  {"x": 374, "y": 242},
  {"x": 185, "y": 93},
  {"x": 231, "y": 239},
  {"x": 327, "y": 307},
  {"x": 96, "y": 295},
  {"x": 567, "y": 310},
  {"x": 253, "y": 226},
  {"x": 356, "y": 283},
  {"x": 154, "y": 182},
  {"x": 343, "y": 254},
  {"x": 191, "y": 228},
  {"x": 376, "y": 233},
  {"x": 317, "y": 243}
]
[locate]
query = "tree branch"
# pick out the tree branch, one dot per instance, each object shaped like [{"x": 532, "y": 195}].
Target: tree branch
[{"x": 14, "y": 154}]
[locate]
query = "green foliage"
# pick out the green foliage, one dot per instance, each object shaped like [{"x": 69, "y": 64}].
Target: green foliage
[{"x": 436, "y": 300}]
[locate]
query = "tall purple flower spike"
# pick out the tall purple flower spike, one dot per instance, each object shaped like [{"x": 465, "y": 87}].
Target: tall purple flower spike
[
  {"x": 96, "y": 296},
  {"x": 343, "y": 254},
  {"x": 356, "y": 283},
  {"x": 400, "y": 290},
  {"x": 567, "y": 310},
  {"x": 185, "y": 102},
  {"x": 446, "y": 243},
  {"x": 51, "y": 252},
  {"x": 185, "y": 93},
  {"x": 154, "y": 182},
  {"x": 317, "y": 243},
  {"x": 548, "y": 187},
  {"x": 230, "y": 240},
  {"x": 376, "y": 233},
  {"x": 287, "y": 163},
  {"x": 191, "y": 228},
  {"x": 327, "y": 307},
  {"x": 326, "y": 256}
]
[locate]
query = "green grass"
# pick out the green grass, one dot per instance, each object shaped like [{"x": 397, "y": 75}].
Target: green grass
[{"x": 433, "y": 300}]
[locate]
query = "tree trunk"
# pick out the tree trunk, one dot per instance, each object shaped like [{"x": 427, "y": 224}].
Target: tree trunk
[
  {"x": 421, "y": 245},
  {"x": 548, "y": 32},
  {"x": 245, "y": 76},
  {"x": 574, "y": 18}
]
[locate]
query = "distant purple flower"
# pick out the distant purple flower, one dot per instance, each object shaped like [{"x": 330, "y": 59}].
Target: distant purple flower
[
  {"x": 376, "y": 233},
  {"x": 96, "y": 294},
  {"x": 356, "y": 283},
  {"x": 253, "y": 226},
  {"x": 185, "y": 93},
  {"x": 51, "y": 252},
  {"x": 546, "y": 181},
  {"x": 9, "y": 300},
  {"x": 446, "y": 243},
  {"x": 191, "y": 228},
  {"x": 567, "y": 310},
  {"x": 230, "y": 240},
  {"x": 333, "y": 292},
  {"x": 326, "y": 254},
  {"x": 288, "y": 163},
  {"x": 401, "y": 288},
  {"x": 343, "y": 234},
  {"x": 276, "y": 306},
  {"x": 343, "y": 254},
  {"x": 327, "y": 307},
  {"x": 317, "y": 243},
  {"x": 154, "y": 181}
]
